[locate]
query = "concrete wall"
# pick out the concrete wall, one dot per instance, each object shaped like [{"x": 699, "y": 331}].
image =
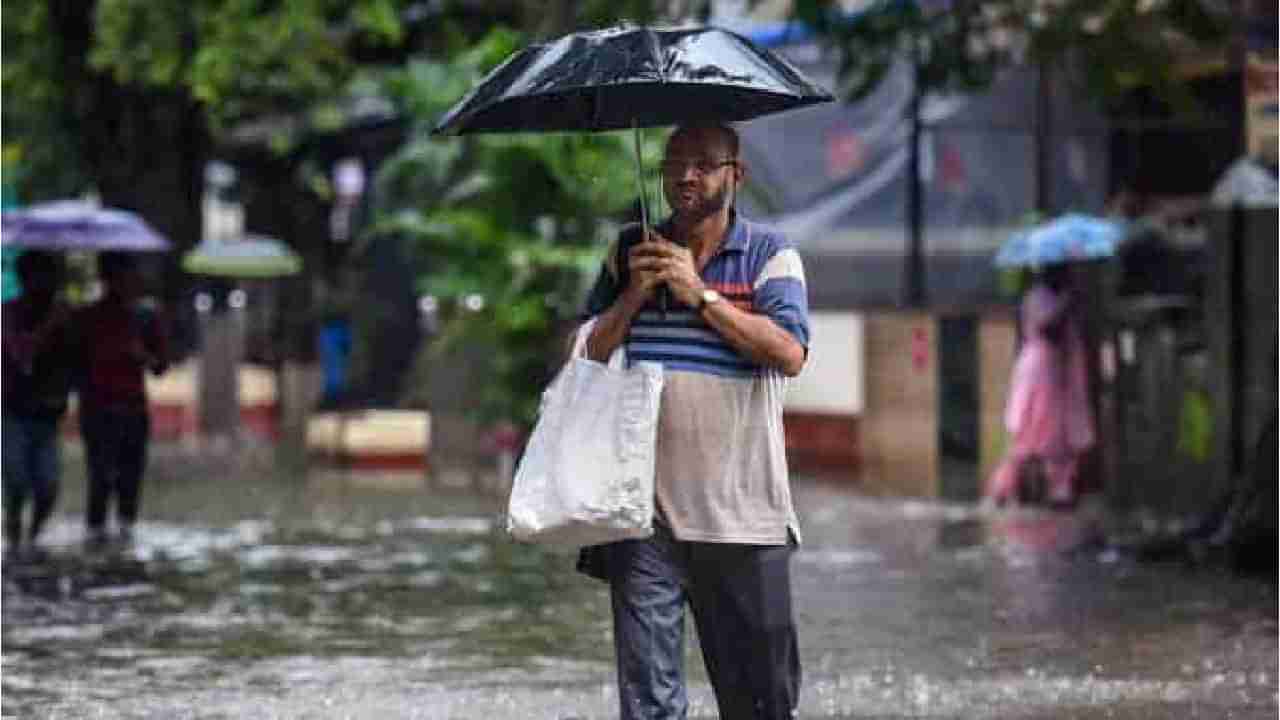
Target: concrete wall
[
  {"x": 900, "y": 426},
  {"x": 833, "y": 380},
  {"x": 892, "y": 446},
  {"x": 825, "y": 403}
]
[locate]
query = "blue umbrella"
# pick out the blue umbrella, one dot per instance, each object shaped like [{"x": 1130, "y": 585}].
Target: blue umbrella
[
  {"x": 76, "y": 225},
  {"x": 1073, "y": 237}
]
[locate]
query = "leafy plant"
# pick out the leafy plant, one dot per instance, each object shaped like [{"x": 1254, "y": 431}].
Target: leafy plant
[
  {"x": 960, "y": 45},
  {"x": 510, "y": 228}
]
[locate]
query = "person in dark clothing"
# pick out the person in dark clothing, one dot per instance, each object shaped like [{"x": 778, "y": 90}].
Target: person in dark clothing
[
  {"x": 37, "y": 380},
  {"x": 120, "y": 342}
]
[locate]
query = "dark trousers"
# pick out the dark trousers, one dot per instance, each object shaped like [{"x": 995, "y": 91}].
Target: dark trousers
[
  {"x": 115, "y": 443},
  {"x": 30, "y": 459},
  {"x": 741, "y": 601}
]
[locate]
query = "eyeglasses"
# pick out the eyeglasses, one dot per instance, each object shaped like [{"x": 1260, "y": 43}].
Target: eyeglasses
[{"x": 701, "y": 167}]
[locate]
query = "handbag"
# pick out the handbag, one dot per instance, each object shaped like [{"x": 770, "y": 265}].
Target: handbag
[{"x": 587, "y": 474}]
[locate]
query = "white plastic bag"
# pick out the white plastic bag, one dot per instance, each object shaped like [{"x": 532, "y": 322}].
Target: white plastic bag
[{"x": 587, "y": 472}]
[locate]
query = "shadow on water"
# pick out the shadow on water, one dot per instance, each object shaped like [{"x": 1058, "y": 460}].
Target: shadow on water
[{"x": 324, "y": 594}]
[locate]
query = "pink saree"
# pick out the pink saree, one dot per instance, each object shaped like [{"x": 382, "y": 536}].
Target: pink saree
[{"x": 1047, "y": 414}]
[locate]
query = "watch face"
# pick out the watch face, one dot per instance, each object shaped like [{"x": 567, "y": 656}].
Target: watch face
[{"x": 710, "y": 296}]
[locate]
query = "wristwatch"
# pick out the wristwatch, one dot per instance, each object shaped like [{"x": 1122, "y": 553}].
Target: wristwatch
[{"x": 709, "y": 297}]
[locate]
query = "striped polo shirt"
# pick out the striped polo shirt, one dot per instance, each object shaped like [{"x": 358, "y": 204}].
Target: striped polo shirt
[{"x": 721, "y": 471}]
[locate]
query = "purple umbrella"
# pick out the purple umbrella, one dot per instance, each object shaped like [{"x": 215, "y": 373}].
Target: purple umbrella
[{"x": 77, "y": 225}]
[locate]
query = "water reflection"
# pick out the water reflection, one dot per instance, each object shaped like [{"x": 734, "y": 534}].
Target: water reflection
[{"x": 312, "y": 596}]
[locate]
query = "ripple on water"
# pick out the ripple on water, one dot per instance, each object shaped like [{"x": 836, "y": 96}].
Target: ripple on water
[
  {"x": 471, "y": 554},
  {"x": 36, "y": 636},
  {"x": 874, "y": 695},
  {"x": 423, "y": 616},
  {"x": 828, "y": 557},
  {"x": 256, "y": 589},
  {"x": 428, "y": 579},
  {"x": 119, "y": 592},
  {"x": 267, "y": 556},
  {"x": 402, "y": 560},
  {"x": 459, "y": 525}
]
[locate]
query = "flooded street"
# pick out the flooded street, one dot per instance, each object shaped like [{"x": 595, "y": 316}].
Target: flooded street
[{"x": 328, "y": 595}]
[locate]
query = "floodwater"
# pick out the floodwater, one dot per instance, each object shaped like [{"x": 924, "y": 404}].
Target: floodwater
[{"x": 331, "y": 595}]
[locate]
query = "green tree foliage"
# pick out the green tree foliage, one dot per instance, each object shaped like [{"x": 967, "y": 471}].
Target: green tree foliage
[
  {"x": 1118, "y": 45},
  {"x": 238, "y": 58},
  {"x": 41, "y": 139},
  {"x": 133, "y": 96},
  {"x": 231, "y": 59},
  {"x": 519, "y": 220}
]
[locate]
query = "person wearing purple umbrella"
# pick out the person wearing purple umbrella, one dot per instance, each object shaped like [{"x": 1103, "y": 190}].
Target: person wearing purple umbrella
[
  {"x": 120, "y": 343},
  {"x": 37, "y": 381},
  {"x": 725, "y": 528}
]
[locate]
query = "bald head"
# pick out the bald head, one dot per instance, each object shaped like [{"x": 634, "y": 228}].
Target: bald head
[{"x": 714, "y": 136}]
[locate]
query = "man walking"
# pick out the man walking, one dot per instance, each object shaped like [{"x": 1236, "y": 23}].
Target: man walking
[{"x": 725, "y": 529}]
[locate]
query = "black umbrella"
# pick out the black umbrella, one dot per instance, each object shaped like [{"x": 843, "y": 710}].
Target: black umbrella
[{"x": 632, "y": 77}]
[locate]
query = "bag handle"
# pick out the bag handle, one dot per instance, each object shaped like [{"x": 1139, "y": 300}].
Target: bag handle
[
  {"x": 617, "y": 360},
  {"x": 580, "y": 338}
]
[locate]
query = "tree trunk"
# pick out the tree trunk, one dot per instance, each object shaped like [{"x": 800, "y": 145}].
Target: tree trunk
[{"x": 145, "y": 149}]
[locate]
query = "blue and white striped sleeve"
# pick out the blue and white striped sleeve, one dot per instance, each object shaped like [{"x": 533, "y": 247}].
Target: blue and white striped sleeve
[{"x": 781, "y": 293}]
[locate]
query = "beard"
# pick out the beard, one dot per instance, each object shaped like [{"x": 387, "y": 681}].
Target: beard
[{"x": 706, "y": 206}]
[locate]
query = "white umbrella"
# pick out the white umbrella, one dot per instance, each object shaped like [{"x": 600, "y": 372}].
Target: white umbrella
[
  {"x": 1248, "y": 184},
  {"x": 249, "y": 257}
]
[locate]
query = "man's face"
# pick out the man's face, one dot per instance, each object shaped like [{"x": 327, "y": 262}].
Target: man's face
[{"x": 699, "y": 173}]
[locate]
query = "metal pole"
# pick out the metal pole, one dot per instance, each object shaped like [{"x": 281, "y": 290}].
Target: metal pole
[
  {"x": 914, "y": 295},
  {"x": 1042, "y": 136},
  {"x": 663, "y": 293},
  {"x": 1236, "y": 341},
  {"x": 644, "y": 200}
]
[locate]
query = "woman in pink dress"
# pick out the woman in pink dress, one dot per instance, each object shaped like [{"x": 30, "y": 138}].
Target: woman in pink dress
[{"x": 1048, "y": 414}]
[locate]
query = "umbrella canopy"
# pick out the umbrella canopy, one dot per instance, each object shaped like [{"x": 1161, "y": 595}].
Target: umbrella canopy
[
  {"x": 78, "y": 225},
  {"x": 1070, "y": 238},
  {"x": 250, "y": 257},
  {"x": 630, "y": 76}
]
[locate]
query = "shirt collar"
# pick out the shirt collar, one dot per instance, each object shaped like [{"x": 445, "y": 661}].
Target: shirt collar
[{"x": 739, "y": 236}]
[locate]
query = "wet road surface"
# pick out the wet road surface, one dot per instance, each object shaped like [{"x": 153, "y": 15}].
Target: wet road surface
[{"x": 327, "y": 595}]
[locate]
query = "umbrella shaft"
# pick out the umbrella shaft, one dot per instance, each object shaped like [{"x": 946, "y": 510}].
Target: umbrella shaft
[
  {"x": 644, "y": 200},
  {"x": 663, "y": 294}
]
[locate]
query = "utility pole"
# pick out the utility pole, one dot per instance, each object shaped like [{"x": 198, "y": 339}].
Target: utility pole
[
  {"x": 914, "y": 267},
  {"x": 1043, "y": 135}
]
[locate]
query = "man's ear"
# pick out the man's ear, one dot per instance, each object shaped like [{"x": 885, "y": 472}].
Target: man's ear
[{"x": 739, "y": 172}]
